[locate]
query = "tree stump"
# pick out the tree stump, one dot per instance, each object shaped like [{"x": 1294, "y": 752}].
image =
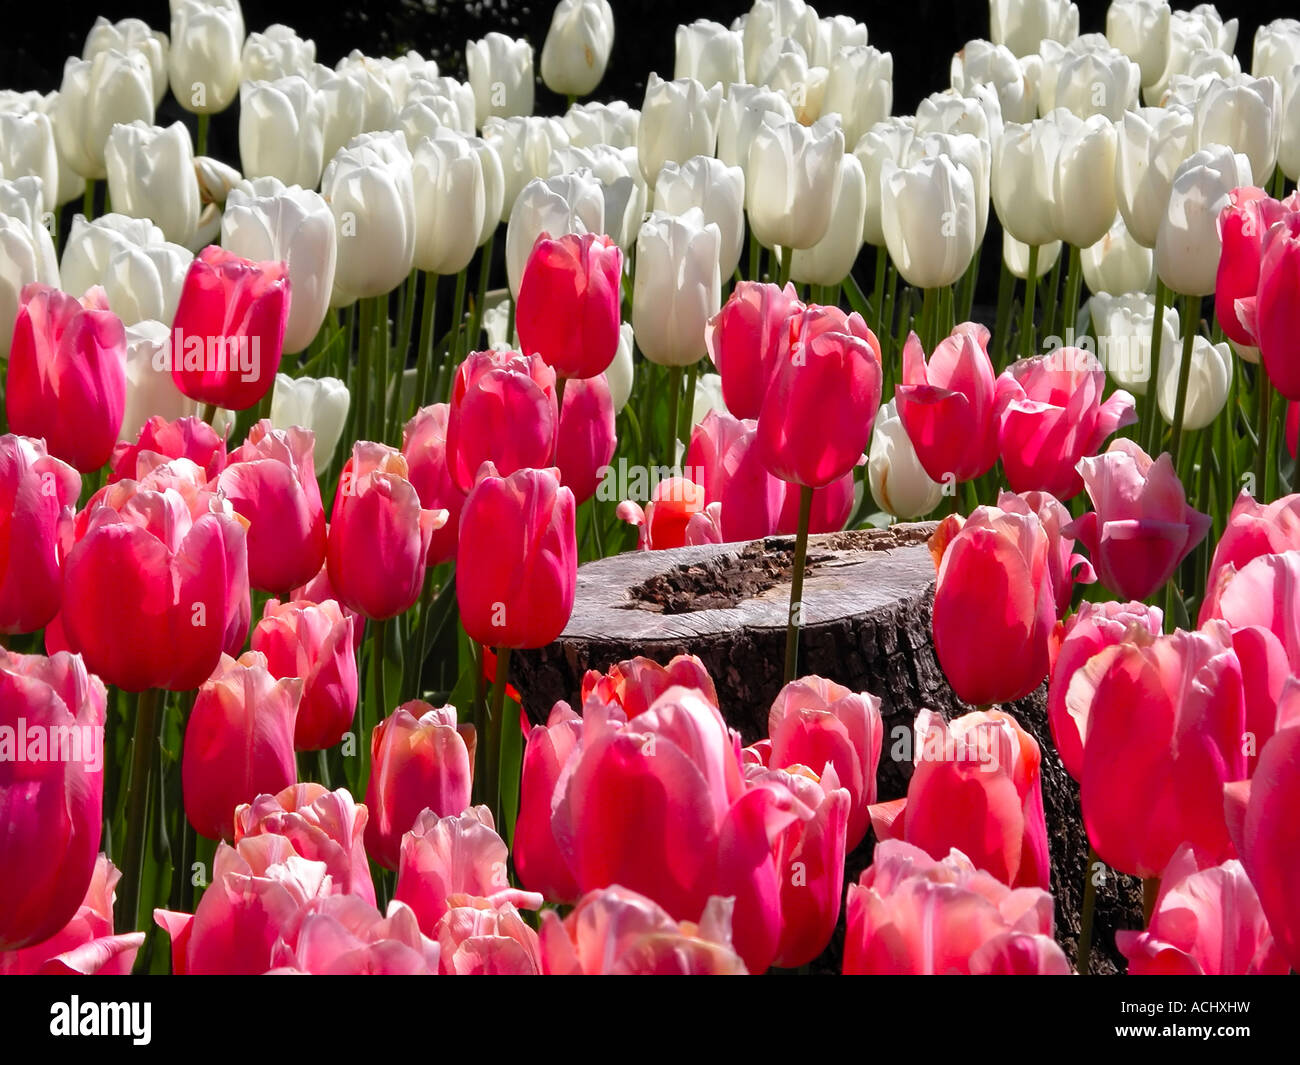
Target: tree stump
[{"x": 866, "y": 609}]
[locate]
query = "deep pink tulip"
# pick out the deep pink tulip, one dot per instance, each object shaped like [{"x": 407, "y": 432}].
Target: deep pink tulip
[
  {"x": 1261, "y": 819},
  {"x": 318, "y": 590},
  {"x": 1243, "y": 228},
  {"x": 1094, "y": 627},
  {"x": 616, "y": 931},
  {"x": 1277, "y": 319},
  {"x": 38, "y": 494},
  {"x": 541, "y": 864},
  {"x": 912, "y": 914},
  {"x": 724, "y": 461},
  {"x": 1050, "y": 414},
  {"x": 314, "y": 642},
  {"x": 228, "y": 333},
  {"x": 379, "y": 534},
  {"x": 86, "y": 945},
  {"x": 503, "y": 410},
  {"x": 994, "y": 605},
  {"x": 1253, "y": 529},
  {"x": 1140, "y": 527},
  {"x": 517, "y": 560},
  {"x": 976, "y": 788},
  {"x": 271, "y": 481},
  {"x": 635, "y": 684},
  {"x": 66, "y": 381},
  {"x": 815, "y": 722},
  {"x": 665, "y": 521},
  {"x": 479, "y": 939},
  {"x": 455, "y": 860},
  {"x": 1153, "y": 780},
  {"x": 1065, "y": 566},
  {"x": 185, "y": 438},
  {"x": 323, "y": 826},
  {"x": 820, "y": 405},
  {"x": 570, "y": 301},
  {"x": 1207, "y": 921},
  {"x": 947, "y": 406},
  {"x": 586, "y": 439},
  {"x": 51, "y": 791},
  {"x": 156, "y": 585},
  {"x": 744, "y": 339},
  {"x": 1266, "y": 593},
  {"x": 830, "y": 509},
  {"x": 424, "y": 443},
  {"x": 420, "y": 758},
  {"x": 342, "y": 935}
]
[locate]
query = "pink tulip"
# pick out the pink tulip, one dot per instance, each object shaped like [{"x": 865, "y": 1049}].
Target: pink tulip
[
  {"x": 379, "y": 534},
  {"x": 820, "y": 404},
  {"x": 1093, "y": 628},
  {"x": 1243, "y": 229},
  {"x": 723, "y": 458},
  {"x": 228, "y": 333},
  {"x": 541, "y": 864},
  {"x": 271, "y": 481},
  {"x": 51, "y": 791},
  {"x": 315, "y": 642},
  {"x": 517, "y": 560},
  {"x": 238, "y": 742},
  {"x": 322, "y": 826},
  {"x": 586, "y": 439},
  {"x": 1141, "y": 527},
  {"x": 156, "y": 585},
  {"x": 994, "y": 605},
  {"x": 912, "y": 914},
  {"x": 420, "y": 758},
  {"x": 814, "y": 722},
  {"x": 318, "y": 590},
  {"x": 342, "y": 935},
  {"x": 947, "y": 406},
  {"x": 38, "y": 494},
  {"x": 616, "y": 931},
  {"x": 479, "y": 939},
  {"x": 1151, "y": 780},
  {"x": 66, "y": 381},
  {"x": 1265, "y": 593},
  {"x": 1253, "y": 529},
  {"x": 744, "y": 339},
  {"x": 830, "y": 509},
  {"x": 424, "y": 443},
  {"x": 185, "y": 438},
  {"x": 86, "y": 945},
  {"x": 570, "y": 301},
  {"x": 503, "y": 411},
  {"x": 1261, "y": 819},
  {"x": 1207, "y": 921},
  {"x": 663, "y": 523},
  {"x": 635, "y": 684},
  {"x": 1277, "y": 320},
  {"x": 1065, "y": 566},
  {"x": 456, "y": 860},
  {"x": 1050, "y": 414}
]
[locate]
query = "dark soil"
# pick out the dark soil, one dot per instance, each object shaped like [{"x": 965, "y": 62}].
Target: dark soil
[{"x": 717, "y": 583}]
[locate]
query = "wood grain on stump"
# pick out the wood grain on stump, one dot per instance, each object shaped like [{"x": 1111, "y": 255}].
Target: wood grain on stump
[{"x": 866, "y": 609}]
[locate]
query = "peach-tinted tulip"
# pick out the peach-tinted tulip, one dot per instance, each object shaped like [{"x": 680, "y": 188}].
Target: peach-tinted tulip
[
  {"x": 420, "y": 758},
  {"x": 185, "y": 438},
  {"x": 635, "y": 684},
  {"x": 51, "y": 791},
  {"x": 664, "y": 521},
  {"x": 37, "y": 496},
  {"x": 66, "y": 379},
  {"x": 586, "y": 439},
  {"x": 480, "y": 939},
  {"x": 744, "y": 339},
  {"x": 314, "y": 642},
  {"x": 424, "y": 443},
  {"x": 342, "y": 935}
]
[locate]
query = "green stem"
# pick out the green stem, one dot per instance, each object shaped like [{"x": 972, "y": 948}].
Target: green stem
[
  {"x": 878, "y": 292},
  {"x": 382, "y": 381},
  {"x": 1073, "y": 284},
  {"x": 88, "y": 200},
  {"x": 1147, "y": 422},
  {"x": 425, "y": 355},
  {"x": 1191, "y": 320},
  {"x": 795, "y": 622},
  {"x": 674, "y": 411},
  {"x": 1262, "y": 456},
  {"x": 462, "y": 279},
  {"x": 480, "y": 292},
  {"x": 365, "y": 345},
  {"x": 1006, "y": 290},
  {"x": 378, "y": 642},
  {"x": 1279, "y": 184},
  {"x": 1027, "y": 315},
  {"x": 201, "y": 143},
  {"x": 928, "y": 312},
  {"x": 787, "y": 262},
  {"x": 506, "y": 792},
  {"x": 147, "y": 723},
  {"x": 1085, "y": 918},
  {"x": 1052, "y": 302},
  {"x": 891, "y": 310},
  {"x": 692, "y": 374}
]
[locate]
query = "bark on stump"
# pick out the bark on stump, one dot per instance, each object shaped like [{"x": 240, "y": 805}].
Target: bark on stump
[{"x": 866, "y": 610}]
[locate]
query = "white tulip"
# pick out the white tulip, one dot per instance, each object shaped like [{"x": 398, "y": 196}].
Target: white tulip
[
  {"x": 451, "y": 202},
  {"x": 97, "y": 94},
  {"x": 707, "y": 398},
  {"x": 1098, "y": 82},
  {"x": 1016, "y": 256},
  {"x": 979, "y": 114},
  {"x": 568, "y": 203},
  {"x": 494, "y": 186},
  {"x": 899, "y": 484},
  {"x": 344, "y": 98},
  {"x": 929, "y": 217},
  {"x": 768, "y": 24},
  {"x": 1122, "y": 328},
  {"x": 1151, "y": 143},
  {"x": 995, "y": 65},
  {"x": 891, "y": 139},
  {"x": 829, "y": 261},
  {"x": 859, "y": 88},
  {"x": 435, "y": 103},
  {"x": 790, "y": 182},
  {"x": 590, "y": 124},
  {"x": 268, "y": 222},
  {"x": 282, "y": 130},
  {"x": 1188, "y": 245},
  {"x": 27, "y": 148},
  {"x": 1245, "y": 114},
  {"x": 1024, "y": 180},
  {"x": 1208, "y": 382},
  {"x": 206, "y": 44},
  {"x": 1289, "y": 148},
  {"x": 836, "y": 32},
  {"x": 1276, "y": 50},
  {"x": 1084, "y": 185},
  {"x": 379, "y": 84},
  {"x": 91, "y": 245},
  {"x": 678, "y": 288},
  {"x": 740, "y": 117},
  {"x": 319, "y": 404},
  {"x": 621, "y": 372},
  {"x": 619, "y": 173},
  {"x": 1192, "y": 35},
  {"x": 145, "y": 282},
  {"x": 501, "y": 75},
  {"x": 151, "y": 392},
  {"x": 525, "y": 146},
  {"x": 710, "y": 53},
  {"x": 1117, "y": 263},
  {"x": 276, "y": 54},
  {"x": 151, "y": 175},
  {"x": 131, "y": 35},
  {"x": 1023, "y": 25},
  {"x": 1140, "y": 29},
  {"x": 803, "y": 84},
  {"x": 577, "y": 46},
  {"x": 718, "y": 191},
  {"x": 679, "y": 119},
  {"x": 26, "y": 256},
  {"x": 24, "y": 198},
  {"x": 71, "y": 185},
  {"x": 972, "y": 153}
]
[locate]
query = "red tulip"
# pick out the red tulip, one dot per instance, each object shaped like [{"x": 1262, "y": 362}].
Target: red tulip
[
  {"x": 912, "y": 914},
  {"x": 271, "y": 481},
  {"x": 1207, "y": 921},
  {"x": 424, "y": 443},
  {"x": 586, "y": 439},
  {"x": 744, "y": 339},
  {"x": 1276, "y": 318},
  {"x": 947, "y": 406},
  {"x": 66, "y": 380},
  {"x": 86, "y": 945},
  {"x": 1243, "y": 229},
  {"x": 723, "y": 459},
  {"x": 503, "y": 410},
  {"x": 379, "y": 534},
  {"x": 322, "y": 826},
  {"x": 1050, "y": 415},
  {"x": 517, "y": 560},
  {"x": 37, "y": 496},
  {"x": 420, "y": 759},
  {"x": 315, "y": 642},
  {"x": 479, "y": 939},
  {"x": 228, "y": 333},
  {"x": 1141, "y": 527},
  {"x": 674, "y": 503},
  {"x": 51, "y": 792},
  {"x": 617, "y": 931},
  {"x": 994, "y": 606},
  {"x": 570, "y": 301},
  {"x": 1253, "y": 529},
  {"x": 185, "y": 438}
]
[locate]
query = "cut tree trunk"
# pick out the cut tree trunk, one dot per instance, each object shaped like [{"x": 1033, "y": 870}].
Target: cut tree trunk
[{"x": 866, "y": 611}]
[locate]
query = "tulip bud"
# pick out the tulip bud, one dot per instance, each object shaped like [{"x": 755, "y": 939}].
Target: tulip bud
[
  {"x": 1140, "y": 29},
  {"x": 1022, "y": 25},
  {"x": 151, "y": 175},
  {"x": 1208, "y": 382},
  {"x": 911, "y": 200},
  {"x": 899, "y": 484},
  {"x": 27, "y": 147},
  {"x": 577, "y": 46},
  {"x": 740, "y": 117},
  {"x": 277, "y": 53},
  {"x": 1187, "y": 243},
  {"x": 792, "y": 182},
  {"x": 26, "y": 258},
  {"x": 678, "y": 287},
  {"x": 92, "y": 245},
  {"x": 317, "y": 404},
  {"x": 710, "y": 53},
  {"x": 859, "y": 88},
  {"x": 888, "y": 140},
  {"x": 501, "y": 75},
  {"x": 113, "y": 88},
  {"x": 829, "y": 261},
  {"x": 1084, "y": 178},
  {"x": 679, "y": 119},
  {"x": 1015, "y": 256},
  {"x": 158, "y": 441},
  {"x": 206, "y": 42},
  {"x": 1123, "y": 328},
  {"x": 1245, "y": 114},
  {"x": 526, "y": 146},
  {"x": 282, "y": 130},
  {"x": 569, "y": 203},
  {"x": 1151, "y": 144},
  {"x": 718, "y": 190},
  {"x": 1024, "y": 179},
  {"x": 1117, "y": 263},
  {"x": 1275, "y": 311}
]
